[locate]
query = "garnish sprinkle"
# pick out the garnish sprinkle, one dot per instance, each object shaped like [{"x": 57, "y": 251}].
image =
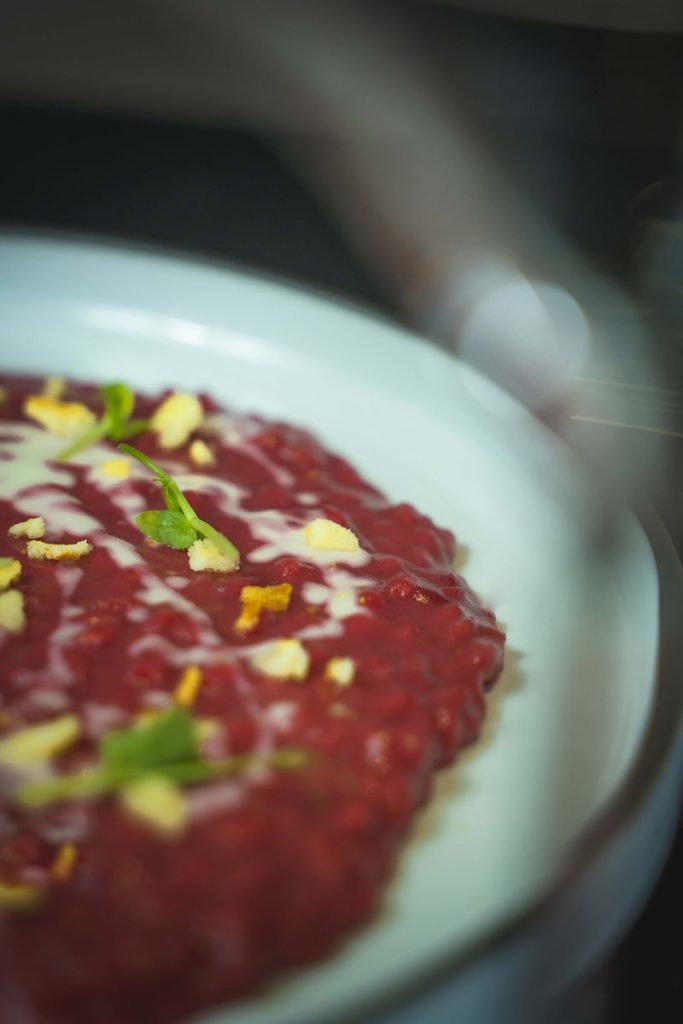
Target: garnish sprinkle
[
  {"x": 178, "y": 525},
  {"x": 166, "y": 746},
  {"x": 115, "y": 422}
]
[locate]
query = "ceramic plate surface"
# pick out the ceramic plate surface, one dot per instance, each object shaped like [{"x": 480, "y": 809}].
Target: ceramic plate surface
[{"x": 569, "y": 713}]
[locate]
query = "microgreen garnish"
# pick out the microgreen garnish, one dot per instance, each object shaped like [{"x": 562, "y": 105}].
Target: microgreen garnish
[
  {"x": 167, "y": 745},
  {"x": 178, "y": 525},
  {"x": 115, "y": 422}
]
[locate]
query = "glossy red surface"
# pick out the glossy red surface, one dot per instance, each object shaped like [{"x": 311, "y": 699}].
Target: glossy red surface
[{"x": 275, "y": 870}]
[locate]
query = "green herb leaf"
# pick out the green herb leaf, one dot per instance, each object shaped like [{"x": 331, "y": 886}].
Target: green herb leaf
[
  {"x": 177, "y": 504},
  {"x": 4, "y": 562},
  {"x": 39, "y": 792},
  {"x": 168, "y": 738},
  {"x": 119, "y": 402},
  {"x": 165, "y": 746},
  {"x": 166, "y": 527}
]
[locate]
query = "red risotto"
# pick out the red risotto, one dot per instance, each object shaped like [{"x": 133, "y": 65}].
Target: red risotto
[{"x": 229, "y": 668}]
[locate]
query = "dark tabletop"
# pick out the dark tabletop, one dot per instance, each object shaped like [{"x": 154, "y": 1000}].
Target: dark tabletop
[{"x": 601, "y": 158}]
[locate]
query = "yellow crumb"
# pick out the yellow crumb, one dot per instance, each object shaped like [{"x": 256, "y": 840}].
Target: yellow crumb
[
  {"x": 201, "y": 454},
  {"x": 9, "y": 574},
  {"x": 65, "y": 419},
  {"x": 64, "y": 863},
  {"x": 176, "y": 418},
  {"x": 33, "y": 529},
  {"x": 254, "y": 599},
  {"x": 12, "y": 614},
  {"x": 38, "y": 743},
  {"x": 340, "y": 671},
  {"x": 41, "y": 551},
  {"x": 325, "y": 534},
  {"x": 116, "y": 469},
  {"x": 19, "y": 897},
  {"x": 283, "y": 659},
  {"x": 188, "y": 686},
  {"x": 158, "y": 802}
]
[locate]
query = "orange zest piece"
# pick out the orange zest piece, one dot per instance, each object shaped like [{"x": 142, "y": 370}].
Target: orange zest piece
[
  {"x": 64, "y": 863},
  {"x": 256, "y": 599},
  {"x": 188, "y": 687}
]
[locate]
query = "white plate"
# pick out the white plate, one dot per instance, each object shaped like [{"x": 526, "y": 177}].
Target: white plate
[{"x": 569, "y": 713}]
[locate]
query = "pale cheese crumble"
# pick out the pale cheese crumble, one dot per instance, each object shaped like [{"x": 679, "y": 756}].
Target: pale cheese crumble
[
  {"x": 54, "y": 387},
  {"x": 38, "y": 743},
  {"x": 12, "y": 615},
  {"x": 323, "y": 533},
  {"x": 283, "y": 659},
  {"x": 33, "y": 529},
  {"x": 176, "y": 418},
  {"x": 205, "y": 555},
  {"x": 42, "y": 551},
  {"x": 201, "y": 454},
  {"x": 340, "y": 671},
  {"x": 65, "y": 419},
  {"x": 158, "y": 802},
  {"x": 9, "y": 573}
]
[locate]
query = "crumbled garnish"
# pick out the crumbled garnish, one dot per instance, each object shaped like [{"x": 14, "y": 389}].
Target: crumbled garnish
[
  {"x": 41, "y": 551},
  {"x": 283, "y": 659},
  {"x": 205, "y": 556},
  {"x": 324, "y": 533},
  {"x": 157, "y": 802},
  {"x": 54, "y": 387},
  {"x": 115, "y": 422},
  {"x": 65, "y": 419},
  {"x": 64, "y": 863},
  {"x": 10, "y": 571},
  {"x": 167, "y": 746},
  {"x": 340, "y": 671},
  {"x": 188, "y": 687},
  {"x": 33, "y": 529},
  {"x": 39, "y": 743},
  {"x": 178, "y": 525},
  {"x": 256, "y": 599},
  {"x": 12, "y": 615},
  {"x": 116, "y": 469},
  {"x": 201, "y": 454},
  {"x": 19, "y": 897},
  {"x": 176, "y": 418}
]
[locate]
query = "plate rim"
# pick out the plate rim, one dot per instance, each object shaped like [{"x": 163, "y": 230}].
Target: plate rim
[{"x": 662, "y": 735}]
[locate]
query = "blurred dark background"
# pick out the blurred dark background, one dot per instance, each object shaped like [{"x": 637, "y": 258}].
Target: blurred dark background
[{"x": 587, "y": 121}]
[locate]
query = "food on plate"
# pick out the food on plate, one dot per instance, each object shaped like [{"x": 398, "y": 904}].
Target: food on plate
[{"x": 229, "y": 668}]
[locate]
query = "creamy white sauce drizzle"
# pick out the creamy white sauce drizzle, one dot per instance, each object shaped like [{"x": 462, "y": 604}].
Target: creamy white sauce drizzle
[
  {"x": 216, "y": 798},
  {"x": 238, "y": 436},
  {"x": 97, "y": 719},
  {"x": 38, "y": 488}
]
